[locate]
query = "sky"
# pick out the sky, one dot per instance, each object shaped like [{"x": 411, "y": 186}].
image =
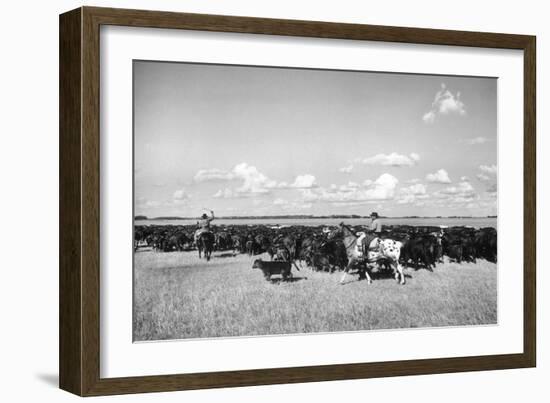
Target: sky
[{"x": 246, "y": 140}]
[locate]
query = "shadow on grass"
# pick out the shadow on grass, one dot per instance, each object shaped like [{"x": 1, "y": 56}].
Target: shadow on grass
[
  {"x": 385, "y": 274},
  {"x": 414, "y": 268},
  {"x": 224, "y": 255},
  {"x": 378, "y": 275},
  {"x": 289, "y": 280}
]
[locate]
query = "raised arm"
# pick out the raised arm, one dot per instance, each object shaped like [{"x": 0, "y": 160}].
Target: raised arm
[{"x": 212, "y": 217}]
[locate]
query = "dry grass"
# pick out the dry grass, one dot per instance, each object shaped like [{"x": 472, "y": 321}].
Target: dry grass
[{"x": 177, "y": 296}]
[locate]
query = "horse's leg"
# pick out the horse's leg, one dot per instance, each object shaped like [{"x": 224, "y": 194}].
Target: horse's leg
[
  {"x": 362, "y": 272},
  {"x": 364, "y": 275},
  {"x": 399, "y": 273},
  {"x": 367, "y": 275},
  {"x": 395, "y": 267},
  {"x": 350, "y": 264}
]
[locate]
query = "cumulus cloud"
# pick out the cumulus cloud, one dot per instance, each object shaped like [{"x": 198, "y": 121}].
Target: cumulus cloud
[
  {"x": 383, "y": 188},
  {"x": 445, "y": 103},
  {"x": 367, "y": 182},
  {"x": 180, "y": 194},
  {"x": 441, "y": 176},
  {"x": 429, "y": 117},
  {"x": 476, "y": 140},
  {"x": 214, "y": 174},
  {"x": 463, "y": 188},
  {"x": 253, "y": 182},
  {"x": 350, "y": 186},
  {"x": 488, "y": 169},
  {"x": 410, "y": 194},
  {"x": 226, "y": 194},
  {"x": 394, "y": 159},
  {"x": 386, "y": 181},
  {"x": 488, "y": 175},
  {"x": 463, "y": 192},
  {"x": 418, "y": 189},
  {"x": 306, "y": 181}
]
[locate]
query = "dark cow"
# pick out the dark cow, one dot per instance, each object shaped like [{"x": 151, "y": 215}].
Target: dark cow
[
  {"x": 486, "y": 244},
  {"x": 423, "y": 246},
  {"x": 223, "y": 241},
  {"x": 239, "y": 243},
  {"x": 420, "y": 251},
  {"x": 321, "y": 263},
  {"x": 271, "y": 268},
  {"x": 459, "y": 244}
]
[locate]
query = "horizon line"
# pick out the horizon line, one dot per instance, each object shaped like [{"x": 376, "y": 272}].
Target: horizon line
[{"x": 305, "y": 216}]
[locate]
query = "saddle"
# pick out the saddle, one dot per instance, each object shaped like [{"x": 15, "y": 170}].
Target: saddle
[
  {"x": 366, "y": 242},
  {"x": 199, "y": 232}
]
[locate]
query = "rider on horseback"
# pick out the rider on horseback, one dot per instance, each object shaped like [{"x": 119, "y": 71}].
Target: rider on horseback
[
  {"x": 203, "y": 225},
  {"x": 370, "y": 240},
  {"x": 375, "y": 224},
  {"x": 370, "y": 252}
]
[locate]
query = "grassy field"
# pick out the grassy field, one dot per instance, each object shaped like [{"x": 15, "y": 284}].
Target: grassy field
[{"x": 177, "y": 296}]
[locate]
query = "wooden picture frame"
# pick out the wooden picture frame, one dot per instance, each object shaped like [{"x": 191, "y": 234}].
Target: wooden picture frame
[{"x": 79, "y": 281}]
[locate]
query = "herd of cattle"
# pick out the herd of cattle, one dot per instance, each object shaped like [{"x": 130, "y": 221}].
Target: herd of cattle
[{"x": 321, "y": 249}]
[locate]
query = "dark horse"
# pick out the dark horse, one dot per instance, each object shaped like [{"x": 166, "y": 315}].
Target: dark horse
[
  {"x": 205, "y": 242},
  {"x": 388, "y": 252}
]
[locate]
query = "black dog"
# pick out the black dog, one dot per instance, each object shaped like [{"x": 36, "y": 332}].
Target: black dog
[{"x": 271, "y": 268}]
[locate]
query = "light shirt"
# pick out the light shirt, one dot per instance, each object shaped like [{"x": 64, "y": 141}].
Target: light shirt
[
  {"x": 205, "y": 223},
  {"x": 376, "y": 225}
]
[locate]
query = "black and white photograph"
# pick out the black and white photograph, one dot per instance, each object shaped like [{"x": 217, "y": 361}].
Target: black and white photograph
[
  {"x": 269, "y": 201},
  {"x": 278, "y": 201}
]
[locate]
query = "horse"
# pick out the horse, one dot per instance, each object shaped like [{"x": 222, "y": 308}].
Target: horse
[
  {"x": 388, "y": 253},
  {"x": 205, "y": 242}
]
